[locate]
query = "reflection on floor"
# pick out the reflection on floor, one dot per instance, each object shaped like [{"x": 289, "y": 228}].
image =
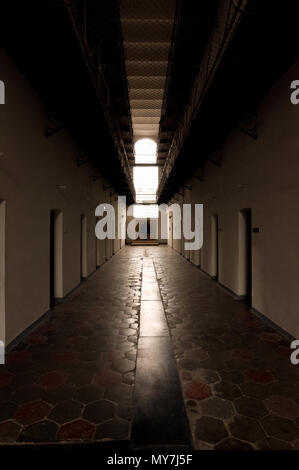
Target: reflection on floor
[
  {"x": 240, "y": 389},
  {"x": 159, "y": 416},
  {"x": 73, "y": 378}
]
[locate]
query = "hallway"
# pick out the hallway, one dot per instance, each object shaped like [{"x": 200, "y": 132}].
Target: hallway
[
  {"x": 74, "y": 379},
  {"x": 148, "y": 234}
]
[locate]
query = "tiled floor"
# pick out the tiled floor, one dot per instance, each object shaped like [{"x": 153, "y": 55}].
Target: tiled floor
[
  {"x": 240, "y": 389},
  {"x": 159, "y": 415},
  {"x": 73, "y": 378}
]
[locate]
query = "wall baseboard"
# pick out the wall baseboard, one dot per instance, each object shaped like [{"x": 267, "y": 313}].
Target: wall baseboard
[
  {"x": 231, "y": 292},
  {"x": 43, "y": 319},
  {"x": 45, "y": 316},
  {"x": 273, "y": 325},
  {"x": 285, "y": 334}
]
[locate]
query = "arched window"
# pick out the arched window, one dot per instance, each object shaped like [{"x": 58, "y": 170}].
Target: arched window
[
  {"x": 145, "y": 173},
  {"x": 145, "y": 151}
]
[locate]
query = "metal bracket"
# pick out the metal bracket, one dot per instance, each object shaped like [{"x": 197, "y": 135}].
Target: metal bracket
[
  {"x": 249, "y": 125},
  {"x": 53, "y": 124},
  {"x": 198, "y": 177},
  {"x": 214, "y": 158},
  {"x": 81, "y": 158},
  {"x": 215, "y": 162}
]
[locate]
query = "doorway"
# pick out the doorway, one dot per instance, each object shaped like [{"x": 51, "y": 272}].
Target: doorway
[
  {"x": 107, "y": 249},
  {"x": 170, "y": 231},
  {"x": 214, "y": 247},
  {"x": 245, "y": 255},
  {"x": 2, "y": 270},
  {"x": 83, "y": 247},
  {"x": 56, "y": 255},
  {"x": 98, "y": 253},
  {"x": 100, "y": 250}
]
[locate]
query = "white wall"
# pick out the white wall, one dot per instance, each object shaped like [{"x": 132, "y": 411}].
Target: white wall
[
  {"x": 177, "y": 244},
  {"x": 30, "y": 171},
  {"x": 2, "y": 270},
  {"x": 262, "y": 175}
]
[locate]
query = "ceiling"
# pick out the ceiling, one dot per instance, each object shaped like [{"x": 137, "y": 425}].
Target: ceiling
[
  {"x": 147, "y": 33},
  {"x": 240, "y": 57},
  {"x": 71, "y": 51},
  {"x": 180, "y": 71}
]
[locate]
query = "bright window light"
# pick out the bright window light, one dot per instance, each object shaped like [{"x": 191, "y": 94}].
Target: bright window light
[
  {"x": 146, "y": 183},
  {"x": 149, "y": 198},
  {"x": 145, "y": 211},
  {"x": 145, "y": 151}
]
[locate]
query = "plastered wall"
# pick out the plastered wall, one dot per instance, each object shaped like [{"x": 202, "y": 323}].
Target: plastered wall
[
  {"x": 262, "y": 175},
  {"x": 38, "y": 174}
]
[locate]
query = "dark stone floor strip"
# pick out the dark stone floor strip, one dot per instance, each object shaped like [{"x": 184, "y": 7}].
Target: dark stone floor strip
[
  {"x": 152, "y": 319},
  {"x": 159, "y": 417}
]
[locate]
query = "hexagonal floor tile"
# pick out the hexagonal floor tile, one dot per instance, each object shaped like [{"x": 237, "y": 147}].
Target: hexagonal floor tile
[
  {"x": 246, "y": 429},
  {"x": 9, "y": 431},
  {"x": 217, "y": 407},
  {"x": 269, "y": 443},
  {"x": 284, "y": 407},
  {"x": 89, "y": 393},
  {"x": 99, "y": 411},
  {"x": 51, "y": 379},
  {"x": 66, "y": 411},
  {"x": 7, "y": 410},
  {"x": 233, "y": 444},
  {"x": 43, "y": 431},
  {"x": 250, "y": 407},
  {"x": 76, "y": 430},
  {"x": 197, "y": 391},
  {"x": 210, "y": 430},
  {"x": 119, "y": 393},
  {"x": 32, "y": 412},
  {"x": 280, "y": 428},
  {"x": 116, "y": 428},
  {"x": 123, "y": 365}
]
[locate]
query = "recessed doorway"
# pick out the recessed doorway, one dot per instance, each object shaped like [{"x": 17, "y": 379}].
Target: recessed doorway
[
  {"x": 83, "y": 248},
  {"x": 2, "y": 271},
  {"x": 245, "y": 255},
  {"x": 214, "y": 247},
  {"x": 56, "y": 255}
]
